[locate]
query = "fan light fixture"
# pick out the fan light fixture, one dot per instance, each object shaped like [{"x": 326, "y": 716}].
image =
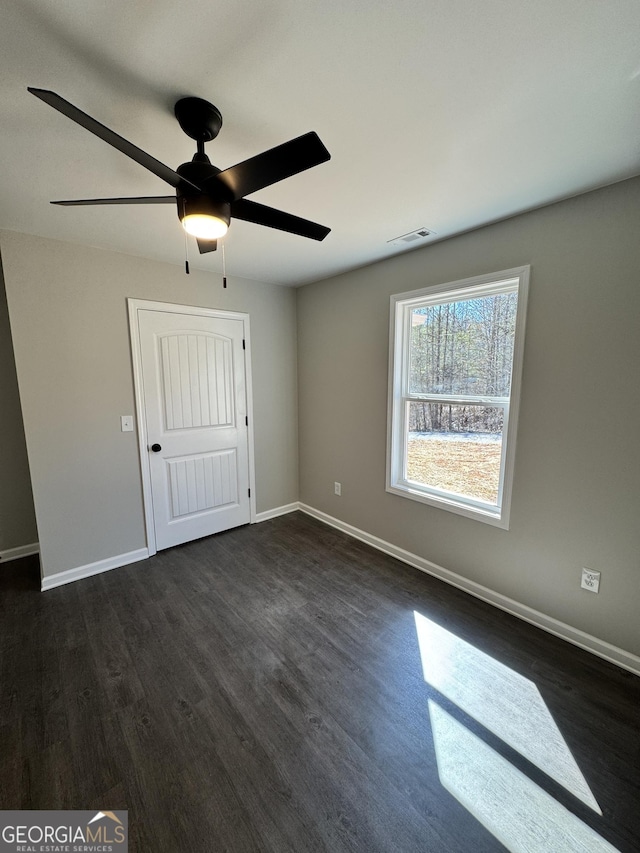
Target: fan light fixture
[
  {"x": 204, "y": 218},
  {"x": 203, "y": 226}
]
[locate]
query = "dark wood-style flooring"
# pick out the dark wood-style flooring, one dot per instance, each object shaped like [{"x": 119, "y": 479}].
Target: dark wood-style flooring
[{"x": 262, "y": 690}]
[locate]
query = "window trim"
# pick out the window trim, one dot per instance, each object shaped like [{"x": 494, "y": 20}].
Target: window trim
[{"x": 399, "y": 398}]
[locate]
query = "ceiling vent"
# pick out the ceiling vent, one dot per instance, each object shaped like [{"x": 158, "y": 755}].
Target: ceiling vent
[{"x": 412, "y": 237}]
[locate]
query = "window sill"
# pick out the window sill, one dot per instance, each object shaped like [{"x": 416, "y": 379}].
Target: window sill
[{"x": 495, "y": 517}]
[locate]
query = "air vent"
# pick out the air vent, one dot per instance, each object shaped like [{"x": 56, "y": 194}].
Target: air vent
[{"x": 412, "y": 237}]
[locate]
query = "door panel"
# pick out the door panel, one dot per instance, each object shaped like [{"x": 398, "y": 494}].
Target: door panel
[
  {"x": 195, "y": 404},
  {"x": 204, "y": 482},
  {"x": 197, "y": 373}
]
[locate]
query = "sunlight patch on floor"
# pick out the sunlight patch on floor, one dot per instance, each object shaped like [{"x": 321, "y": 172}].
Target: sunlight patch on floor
[
  {"x": 501, "y": 700},
  {"x": 514, "y": 809}
]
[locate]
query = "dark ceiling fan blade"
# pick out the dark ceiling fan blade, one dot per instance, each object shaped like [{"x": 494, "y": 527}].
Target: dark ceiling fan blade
[
  {"x": 251, "y": 211},
  {"x": 272, "y": 166},
  {"x": 145, "y": 199},
  {"x": 205, "y": 246},
  {"x": 111, "y": 138}
]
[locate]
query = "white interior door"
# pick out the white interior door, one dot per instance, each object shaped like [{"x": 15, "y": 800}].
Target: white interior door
[{"x": 194, "y": 396}]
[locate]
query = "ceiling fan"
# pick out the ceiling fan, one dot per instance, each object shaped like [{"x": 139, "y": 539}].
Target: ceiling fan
[{"x": 207, "y": 197}]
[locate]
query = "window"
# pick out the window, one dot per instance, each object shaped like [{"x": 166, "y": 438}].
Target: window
[{"x": 456, "y": 361}]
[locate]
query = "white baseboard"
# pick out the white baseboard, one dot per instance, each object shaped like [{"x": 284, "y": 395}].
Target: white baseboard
[
  {"x": 20, "y": 551},
  {"x": 276, "y": 511},
  {"x": 60, "y": 578},
  {"x": 598, "y": 647}
]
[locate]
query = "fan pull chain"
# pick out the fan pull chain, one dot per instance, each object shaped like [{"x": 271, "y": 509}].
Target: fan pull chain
[
  {"x": 186, "y": 242},
  {"x": 224, "y": 268}
]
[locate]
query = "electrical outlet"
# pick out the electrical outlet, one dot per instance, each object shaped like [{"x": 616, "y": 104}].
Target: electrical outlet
[
  {"x": 590, "y": 580},
  {"x": 337, "y": 488}
]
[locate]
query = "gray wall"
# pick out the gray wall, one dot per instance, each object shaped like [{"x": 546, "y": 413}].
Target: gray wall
[
  {"x": 68, "y": 311},
  {"x": 577, "y": 475},
  {"x": 17, "y": 517}
]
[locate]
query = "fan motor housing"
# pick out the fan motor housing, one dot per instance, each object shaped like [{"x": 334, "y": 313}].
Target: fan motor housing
[
  {"x": 198, "y": 171},
  {"x": 190, "y": 201}
]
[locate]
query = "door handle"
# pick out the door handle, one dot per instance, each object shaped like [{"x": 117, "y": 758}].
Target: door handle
[{"x": 156, "y": 448}]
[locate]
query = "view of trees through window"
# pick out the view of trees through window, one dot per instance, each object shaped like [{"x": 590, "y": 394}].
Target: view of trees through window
[{"x": 460, "y": 360}]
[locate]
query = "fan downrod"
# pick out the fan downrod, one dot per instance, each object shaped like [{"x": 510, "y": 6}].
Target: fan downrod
[{"x": 198, "y": 118}]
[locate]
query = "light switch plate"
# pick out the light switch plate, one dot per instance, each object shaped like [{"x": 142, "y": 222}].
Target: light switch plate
[{"x": 126, "y": 422}]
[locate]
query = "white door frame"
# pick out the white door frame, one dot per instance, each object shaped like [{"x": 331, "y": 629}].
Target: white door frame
[{"x": 135, "y": 305}]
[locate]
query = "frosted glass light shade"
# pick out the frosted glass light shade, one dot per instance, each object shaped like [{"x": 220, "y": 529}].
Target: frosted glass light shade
[{"x": 204, "y": 226}]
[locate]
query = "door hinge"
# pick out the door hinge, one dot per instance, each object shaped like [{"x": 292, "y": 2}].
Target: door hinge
[
  {"x": 246, "y": 420},
  {"x": 249, "y": 490},
  {"x": 244, "y": 344}
]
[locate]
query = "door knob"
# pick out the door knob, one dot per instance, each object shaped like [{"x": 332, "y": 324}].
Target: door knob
[{"x": 156, "y": 448}]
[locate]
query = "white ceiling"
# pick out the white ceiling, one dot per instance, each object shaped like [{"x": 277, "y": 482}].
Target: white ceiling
[{"x": 439, "y": 113}]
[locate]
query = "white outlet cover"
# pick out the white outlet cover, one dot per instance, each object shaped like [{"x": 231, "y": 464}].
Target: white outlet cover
[
  {"x": 590, "y": 580},
  {"x": 126, "y": 422}
]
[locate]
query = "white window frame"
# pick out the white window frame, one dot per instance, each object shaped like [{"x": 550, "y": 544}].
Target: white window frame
[{"x": 402, "y": 304}]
